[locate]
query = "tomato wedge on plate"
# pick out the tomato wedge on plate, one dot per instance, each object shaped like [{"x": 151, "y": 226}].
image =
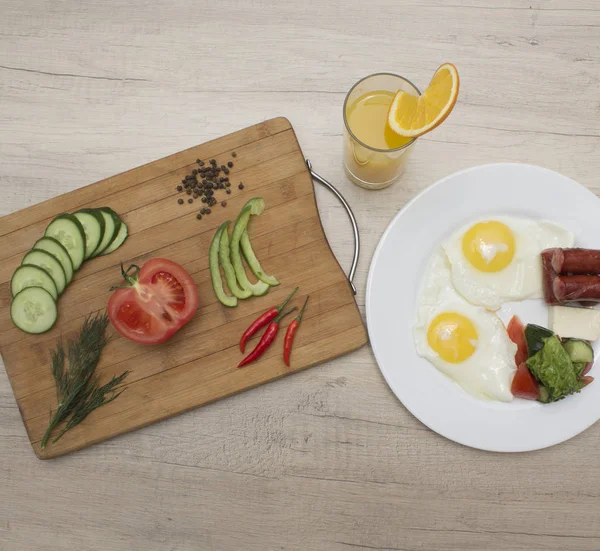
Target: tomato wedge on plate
[
  {"x": 516, "y": 333},
  {"x": 524, "y": 385},
  {"x": 587, "y": 380},
  {"x": 153, "y": 302}
]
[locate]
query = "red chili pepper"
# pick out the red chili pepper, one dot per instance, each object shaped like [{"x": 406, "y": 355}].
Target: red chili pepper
[
  {"x": 262, "y": 320},
  {"x": 266, "y": 340},
  {"x": 290, "y": 333}
]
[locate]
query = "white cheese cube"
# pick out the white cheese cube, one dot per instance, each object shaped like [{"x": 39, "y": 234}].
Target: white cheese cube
[{"x": 575, "y": 323}]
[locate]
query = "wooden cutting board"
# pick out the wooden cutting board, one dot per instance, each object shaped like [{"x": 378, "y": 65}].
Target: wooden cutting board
[{"x": 198, "y": 365}]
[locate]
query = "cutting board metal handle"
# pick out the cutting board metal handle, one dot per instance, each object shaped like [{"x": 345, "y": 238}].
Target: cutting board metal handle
[{"x": 332, "y": 188}]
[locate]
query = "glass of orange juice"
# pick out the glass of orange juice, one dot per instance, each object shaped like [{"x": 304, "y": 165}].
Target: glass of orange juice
[{"x": 374, "y": 155}]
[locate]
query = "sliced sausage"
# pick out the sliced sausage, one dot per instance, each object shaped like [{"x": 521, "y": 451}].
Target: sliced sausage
[
  {"x": 576, "y": 261},
  {"x": 548, "y": 275},
  {"x": 573, "y": 288}
]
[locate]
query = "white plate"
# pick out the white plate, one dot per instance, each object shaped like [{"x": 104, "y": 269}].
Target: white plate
[{"x": 394, "y": 281}]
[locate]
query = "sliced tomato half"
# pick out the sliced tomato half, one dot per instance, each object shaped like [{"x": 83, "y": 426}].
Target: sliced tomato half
[
  {"x": 516, "y": 333},
  {"x": 524, "y": 385},
  {"x": 153, "y": 302},
  {"x": 587, "y": 380}
]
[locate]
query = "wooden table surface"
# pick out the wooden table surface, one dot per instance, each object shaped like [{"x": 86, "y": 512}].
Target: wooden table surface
[{"x": 327, "y": 459}]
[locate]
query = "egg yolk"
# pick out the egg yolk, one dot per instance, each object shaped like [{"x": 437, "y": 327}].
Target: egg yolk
[
  {"x": 452, "y": 336},
  {"x": 489, "y": 246}
]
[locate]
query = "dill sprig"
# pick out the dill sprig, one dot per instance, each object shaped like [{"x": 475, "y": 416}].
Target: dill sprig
[{"x": 77, "y": 390}]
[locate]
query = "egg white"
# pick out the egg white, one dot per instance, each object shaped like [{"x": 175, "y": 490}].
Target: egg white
[
  {"x": 488, "y": 372},
  {"x": 522, "y": 278}
]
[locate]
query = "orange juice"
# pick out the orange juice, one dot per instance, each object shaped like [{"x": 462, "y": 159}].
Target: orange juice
[
  {"x": 367, "y": 117},
  {"x": 374, "y": 155}
]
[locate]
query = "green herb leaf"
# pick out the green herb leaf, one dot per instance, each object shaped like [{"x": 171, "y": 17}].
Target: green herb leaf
[
  {"x": 553, "y": 368},
  {"x": 579, "y": 368},
  {"x": 58, "y": 370},
  {"x": 77, "y": 389}
]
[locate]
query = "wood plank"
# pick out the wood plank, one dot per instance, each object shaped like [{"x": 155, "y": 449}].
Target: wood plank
[
  {"x": 190, "y": 388},
  {"x": 329, "y": 319},
  {"x": 210, "y": 317},
  {"x": 97, "y": 285},
  {"x": 198, "y": 365},
  {"x": 105, "y": 188},
  {"x": 135, "y": 200},
  {"x": 35, "y": 360}
]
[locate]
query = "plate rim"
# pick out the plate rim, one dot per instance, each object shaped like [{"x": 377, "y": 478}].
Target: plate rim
[{"x": 369, "y": 290}]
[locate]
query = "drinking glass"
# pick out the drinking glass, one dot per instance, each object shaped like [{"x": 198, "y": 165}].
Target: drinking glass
[{"x": 367, "y": 166}]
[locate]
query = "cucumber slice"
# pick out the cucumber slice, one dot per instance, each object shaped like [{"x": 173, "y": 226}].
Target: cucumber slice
[
  {"x": 33, "y": 310},
  {"x": 54, "y": 247},
  {"x": 578, "y": 350},
  {"x": 49, "y": 264},
  {"x": 67, "y": 229},
  {"x": 228, "y": 269},
  {"x": 32, "y": 276},
  {"x": 93, "y": 228},
  {"x": 112, "y": 224},
  {"x": 253, "y": 207},
  {"x": 215, "y": 274},
  {"x": 535, "y": 335},
  {"x": 253, "y": 262},
  {"x": 118, "y": 241}
]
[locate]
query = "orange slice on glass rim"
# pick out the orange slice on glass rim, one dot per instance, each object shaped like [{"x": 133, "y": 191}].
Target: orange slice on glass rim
[{"x": 413, "y": 116}]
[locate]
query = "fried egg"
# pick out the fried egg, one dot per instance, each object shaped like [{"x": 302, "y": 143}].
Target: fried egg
[
  {"x": 465, "y": 342},
  {"x": 497, "y": 259}
]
